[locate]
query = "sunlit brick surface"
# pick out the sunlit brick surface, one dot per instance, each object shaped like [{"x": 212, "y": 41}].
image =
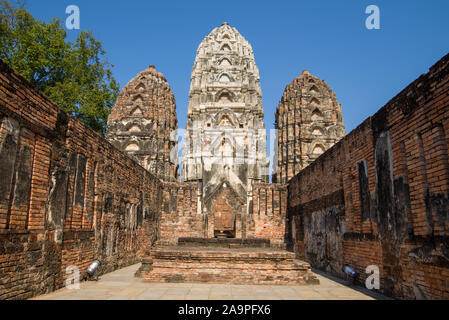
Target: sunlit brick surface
[{"x": 380, "y": 196}]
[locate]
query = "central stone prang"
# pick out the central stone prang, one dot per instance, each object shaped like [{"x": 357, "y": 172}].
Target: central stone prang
[{"x": 224, "y": 147}]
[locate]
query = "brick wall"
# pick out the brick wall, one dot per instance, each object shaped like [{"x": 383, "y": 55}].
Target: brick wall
[
  {"x": 67, "y": 196},
  {"x": 269, "y": 212},
  {"x": 180, "y": 216},
  {"x": 380, "y": 196},
  {"x": 183, "y": 214}
]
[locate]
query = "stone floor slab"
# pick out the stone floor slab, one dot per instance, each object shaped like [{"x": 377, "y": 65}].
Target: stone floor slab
[{"x": 122, "y": 285}]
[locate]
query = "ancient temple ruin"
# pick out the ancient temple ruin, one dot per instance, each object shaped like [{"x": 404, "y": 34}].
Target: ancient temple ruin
[{"x": 377, "y": 196}]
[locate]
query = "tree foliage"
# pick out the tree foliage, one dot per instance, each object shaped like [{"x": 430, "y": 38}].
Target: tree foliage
[{"x": 75, "y": 76}]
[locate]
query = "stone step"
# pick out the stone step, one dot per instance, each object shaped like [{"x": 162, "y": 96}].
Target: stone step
[
  {"x": 221, "y": 265},
  {"x": 224, "y": 242}
]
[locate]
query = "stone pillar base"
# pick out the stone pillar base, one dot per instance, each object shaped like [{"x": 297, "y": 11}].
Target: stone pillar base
[{"x": 147, "y": 266}]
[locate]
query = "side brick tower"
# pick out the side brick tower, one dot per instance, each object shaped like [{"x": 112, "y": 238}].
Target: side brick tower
[
  {"x": 143, "y": 123},
  {"x": 308, "y": 121}
]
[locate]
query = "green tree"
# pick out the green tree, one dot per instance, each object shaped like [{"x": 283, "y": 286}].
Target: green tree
[{"x": 76, "y": 76}]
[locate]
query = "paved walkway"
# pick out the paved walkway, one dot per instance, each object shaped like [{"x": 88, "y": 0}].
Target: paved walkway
[{"x": 121, "y": 285}]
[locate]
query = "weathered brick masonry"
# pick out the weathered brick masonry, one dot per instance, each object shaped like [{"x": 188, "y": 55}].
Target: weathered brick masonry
[
  {"x": 308, "y": 122},
  {"x": 268, "y": 216},
  {"x": 67, "y": 196},
  {"x": 181, "y": 218},
  {"x": 143, "y": 124},
  {"x": 380, "y": 196},
  {"x": 224, "y": 265}
]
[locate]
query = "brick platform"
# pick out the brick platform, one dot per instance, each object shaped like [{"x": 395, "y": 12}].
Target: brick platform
[{"x": 226, "y": 265}]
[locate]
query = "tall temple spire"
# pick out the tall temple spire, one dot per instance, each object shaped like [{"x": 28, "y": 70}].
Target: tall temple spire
[
  {"x": 309, "y": 121},
  {"x": 142, "y": 121},
  {"x": 225, "y": 142}
]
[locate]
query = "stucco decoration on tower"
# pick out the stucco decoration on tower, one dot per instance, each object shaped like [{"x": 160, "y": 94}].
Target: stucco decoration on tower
[
  {"x": 143, "y": 124},
  {"x": 309, "y": 121},
  {"x": 225, "y": 140}
]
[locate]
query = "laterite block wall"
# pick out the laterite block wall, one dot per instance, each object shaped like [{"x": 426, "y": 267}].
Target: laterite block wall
[
  {"x": 67, "y": 196},
  {"x": 180, "y": 216},
  {"x": 380, "y": 195}
]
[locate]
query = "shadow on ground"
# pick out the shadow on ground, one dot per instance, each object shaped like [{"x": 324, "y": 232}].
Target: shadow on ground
[{"x": 347, "y": 283}]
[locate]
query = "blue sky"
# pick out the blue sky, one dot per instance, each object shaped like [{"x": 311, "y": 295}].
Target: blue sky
[{"x": 365, "y": 68}]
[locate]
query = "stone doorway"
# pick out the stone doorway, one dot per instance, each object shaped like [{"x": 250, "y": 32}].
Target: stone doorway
[
  {"x": 224, "y": 209},
  {"x": 224, "y": 218},
  {"x": 224, "y": 226}
]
